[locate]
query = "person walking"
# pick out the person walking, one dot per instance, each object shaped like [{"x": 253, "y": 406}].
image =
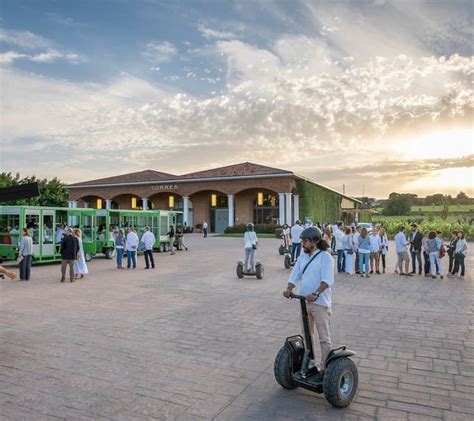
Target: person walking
[
  {"x": 416, "y": 240},
  {"x": 348, "y": 243},
  {"x": 204, "y": 228},
  {"x": 296, "y": 231},
  {"x": 434, "y": 247},
  {"x": 375, "y": 248},
  {"x": 25, "y": 255},
  {"x": 402, "y": 253},
  {"x": 180, "y": 236},
  {"x": 384, "y": 250},
  {"x": 459, "y": 255},
  {"x": 148, "y": 240},
  {"x": 119, "y": 243},
  {"x": 339, "y": 235},
  {"x": 80, "y": 265},
  {"x": 171, "y": 235},
  {"x": 69, "y": 253},
  {"x": 452, "y": 250},
  {"x": 250, "y": 245},
  {"x": 131, "y": 246}
]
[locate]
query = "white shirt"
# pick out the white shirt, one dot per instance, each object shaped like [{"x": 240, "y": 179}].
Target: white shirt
[
  {"x": 131, "y": 242},
  {"x": 148, "y": 238},
  {"x": 375, "y": 243},
  {"x": 339, "y": 235},
  {"x": 204, "y": 226},
  {"x": 296, "y": 231},
  {"x": 250, "y": 238},
  {"x": 321, "y": 269},
  {"x": 401, "y": 242},
  {"x": 59, "y": 235},
  {"x": 356, "y": 239}
]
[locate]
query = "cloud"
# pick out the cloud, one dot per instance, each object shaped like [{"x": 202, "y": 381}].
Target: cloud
[
  {"x": 24, "y": 39},
  {"x": 211, "y": 33},
  {"x": 160, "y": 52},
  {"x": 52, "y": 55},
  {"x": 10, "y": 56}
]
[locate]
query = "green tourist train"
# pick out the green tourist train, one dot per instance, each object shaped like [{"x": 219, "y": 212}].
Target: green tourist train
[{"x": 98, "y": 228}]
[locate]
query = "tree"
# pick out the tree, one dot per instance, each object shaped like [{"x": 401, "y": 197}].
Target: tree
[
  {"x": 462, "y": 198},
  {"x": 435, "y": 199},
  {"x": 398, "y": 204},
  {"x": 52, "y": 192}
]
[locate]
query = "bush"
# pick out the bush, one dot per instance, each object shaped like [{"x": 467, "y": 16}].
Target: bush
[{"x": 259, "y": 228}]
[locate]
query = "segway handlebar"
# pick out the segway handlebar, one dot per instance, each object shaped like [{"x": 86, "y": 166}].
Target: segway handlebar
[{"x": 298, "y": 297}]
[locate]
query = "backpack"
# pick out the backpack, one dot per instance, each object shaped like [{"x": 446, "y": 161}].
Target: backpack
[{"x": 442, "y": 251}]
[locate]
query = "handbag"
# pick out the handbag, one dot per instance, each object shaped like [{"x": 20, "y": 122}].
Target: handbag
[
  {"x": 349, "y": 251},
  {"x": 254, "y": 246}
]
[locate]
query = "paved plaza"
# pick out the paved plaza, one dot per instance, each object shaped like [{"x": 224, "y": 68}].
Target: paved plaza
[{"x": 190, "y": 340}]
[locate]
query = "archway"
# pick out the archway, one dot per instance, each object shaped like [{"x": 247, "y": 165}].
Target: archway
[
  {"x": 210, "y": 206},
  {"x": 260, "y": 206},
  {"x": 91, "y": 201}
]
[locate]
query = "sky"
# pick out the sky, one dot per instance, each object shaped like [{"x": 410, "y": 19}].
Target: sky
[{"x": 373, "y": 95}]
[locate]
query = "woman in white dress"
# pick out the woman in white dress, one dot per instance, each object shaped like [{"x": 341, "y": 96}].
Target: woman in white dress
[
  {"x": 80, "y": 266},
  {"x": 349, "y": 247}
]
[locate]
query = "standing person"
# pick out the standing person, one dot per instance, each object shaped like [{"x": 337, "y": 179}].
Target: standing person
[
  {"x": 204, "y": 228},
  {"x": 296, "y": 231},
  {"x": 415, "y": 248},
  {"x": 250, "y": 245},
  {"x": 434, "y": 247},
  {"x": 148, "y": 240},
  {"x": 384, "y": 250},
  {"x": 459, "y": 255},
  {"x": 356, "y": 248},
  {"x": 314, "y": 275},
  {"x": 286, "y": 234},
  {"x": 328, "y": 235},
  {"x": 180, "y": 235},
  {"x": 171, "y": 235},
  {"x": 80, "y": 266},
  {"x": 339, "y": 235},
  {"x": 426, "y": 253},
  {"x": 375, "y": 248},
  {"x": 402, "y": 253},
  {"x": 25, "y": 255},
  {"x": 14, "y": 235},
  {"x": 69, "y": 251},
  {"x": 131, "y": 246},
  {"x": 364, "y": 253},
  {"x": 60, "y": 232},
  {"x": 452, "y": 250},
  {"x": 119, "y": 243},
  {"x": 348, "y": 243}
]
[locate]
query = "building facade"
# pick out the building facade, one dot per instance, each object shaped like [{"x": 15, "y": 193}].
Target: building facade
[{"x": 222, "y": 197}]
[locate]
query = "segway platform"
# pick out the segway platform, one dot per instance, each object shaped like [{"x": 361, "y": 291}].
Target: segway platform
[{"x": 241, "y": 272}]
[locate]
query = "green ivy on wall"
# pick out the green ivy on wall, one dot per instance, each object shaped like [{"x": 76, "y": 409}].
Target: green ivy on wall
[{"x": 318, "y": 203}]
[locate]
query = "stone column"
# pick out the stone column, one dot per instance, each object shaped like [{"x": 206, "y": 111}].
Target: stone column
[
  {"x": 186, "y": 210},
  {"x": 230, "y": 201},
  {"x": 281, "y": 207},
  {"x": 86, "y": 204},
  {"x": 108, "y": 203},
  {"x": 145, "y": 203},
  {"x": 288, "y": 209},
  {"x": 296, "y": 207},
  {"x": 70, "y": 204}
]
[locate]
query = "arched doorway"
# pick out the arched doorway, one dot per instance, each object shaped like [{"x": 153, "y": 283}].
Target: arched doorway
[
  {"x": 210, "y": 206},
  {"x": 91, "y": 201},
  {"x": 260, "y": 206}
]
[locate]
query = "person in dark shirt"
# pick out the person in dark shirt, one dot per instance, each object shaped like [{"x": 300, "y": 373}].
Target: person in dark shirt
[{"x": 69, "y": 252}]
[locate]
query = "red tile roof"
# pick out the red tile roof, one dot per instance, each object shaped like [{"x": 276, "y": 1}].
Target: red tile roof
[
  {"x": 244, "y": 169},
  {"x": 134, "y": 177}
]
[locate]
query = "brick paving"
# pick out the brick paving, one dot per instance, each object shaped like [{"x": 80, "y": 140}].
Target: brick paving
[{"x": 192, "y": 341}]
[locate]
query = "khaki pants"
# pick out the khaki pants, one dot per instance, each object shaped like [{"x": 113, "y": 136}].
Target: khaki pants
[
  {"x": 64, "y": 264},
  {"x": 320, "y": 317}
]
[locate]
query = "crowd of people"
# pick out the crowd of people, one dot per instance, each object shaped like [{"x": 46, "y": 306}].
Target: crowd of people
[{"x": 363, "y": 250}]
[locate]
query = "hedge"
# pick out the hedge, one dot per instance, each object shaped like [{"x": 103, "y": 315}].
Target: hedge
[
  {"x": 258, "y": 228},
  {"x": 318, "y": 203}
]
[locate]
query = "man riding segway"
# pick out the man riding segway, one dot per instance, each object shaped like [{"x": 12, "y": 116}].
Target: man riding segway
[{"x": 314, "y": 273}]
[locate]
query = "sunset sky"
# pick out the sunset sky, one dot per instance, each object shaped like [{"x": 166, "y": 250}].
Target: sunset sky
[{"x": 376, "y": 95}]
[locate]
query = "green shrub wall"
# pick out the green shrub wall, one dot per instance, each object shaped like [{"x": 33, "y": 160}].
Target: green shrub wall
[{"x": 318, "y": 203}]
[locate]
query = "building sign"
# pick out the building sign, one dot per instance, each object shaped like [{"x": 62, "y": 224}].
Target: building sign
[{"x": 165, "y": 187}]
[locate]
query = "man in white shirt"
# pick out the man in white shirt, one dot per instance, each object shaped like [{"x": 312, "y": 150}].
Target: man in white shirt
[
  {"x": 402, "y": 252},
  {"x": 338, "y": 236},
  {"x": 131, "y": 245},
  {"x": 204, "y": 228},
  {"x": 148, "y": 240},
  {"x": 296, "y": 231},
  {"x": 375, "y": 249},
  {"x": 313, "y": 273},
  {"x": 60, "y": 232}
]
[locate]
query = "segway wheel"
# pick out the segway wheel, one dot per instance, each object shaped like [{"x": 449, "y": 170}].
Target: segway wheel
[
  {"x": 282, "y": 369},
  {"x": 259, "y": 271},
  {"x": 287, "y": 261},
  {"x": 281, "y": 250},
  {"x": 240, "y": 271},
  {"x": 88, "y": 257},
  {"x": 340, "y": 382},
  {"x": 108, "y": 253}
]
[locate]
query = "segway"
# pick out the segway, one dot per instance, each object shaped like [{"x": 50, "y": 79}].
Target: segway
[
  {"x": 241, "y": 272},
  {"x": 283, "y": 247},
  {"x": 288, "y": 262},
  {"x": 339, "y": 380}
]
